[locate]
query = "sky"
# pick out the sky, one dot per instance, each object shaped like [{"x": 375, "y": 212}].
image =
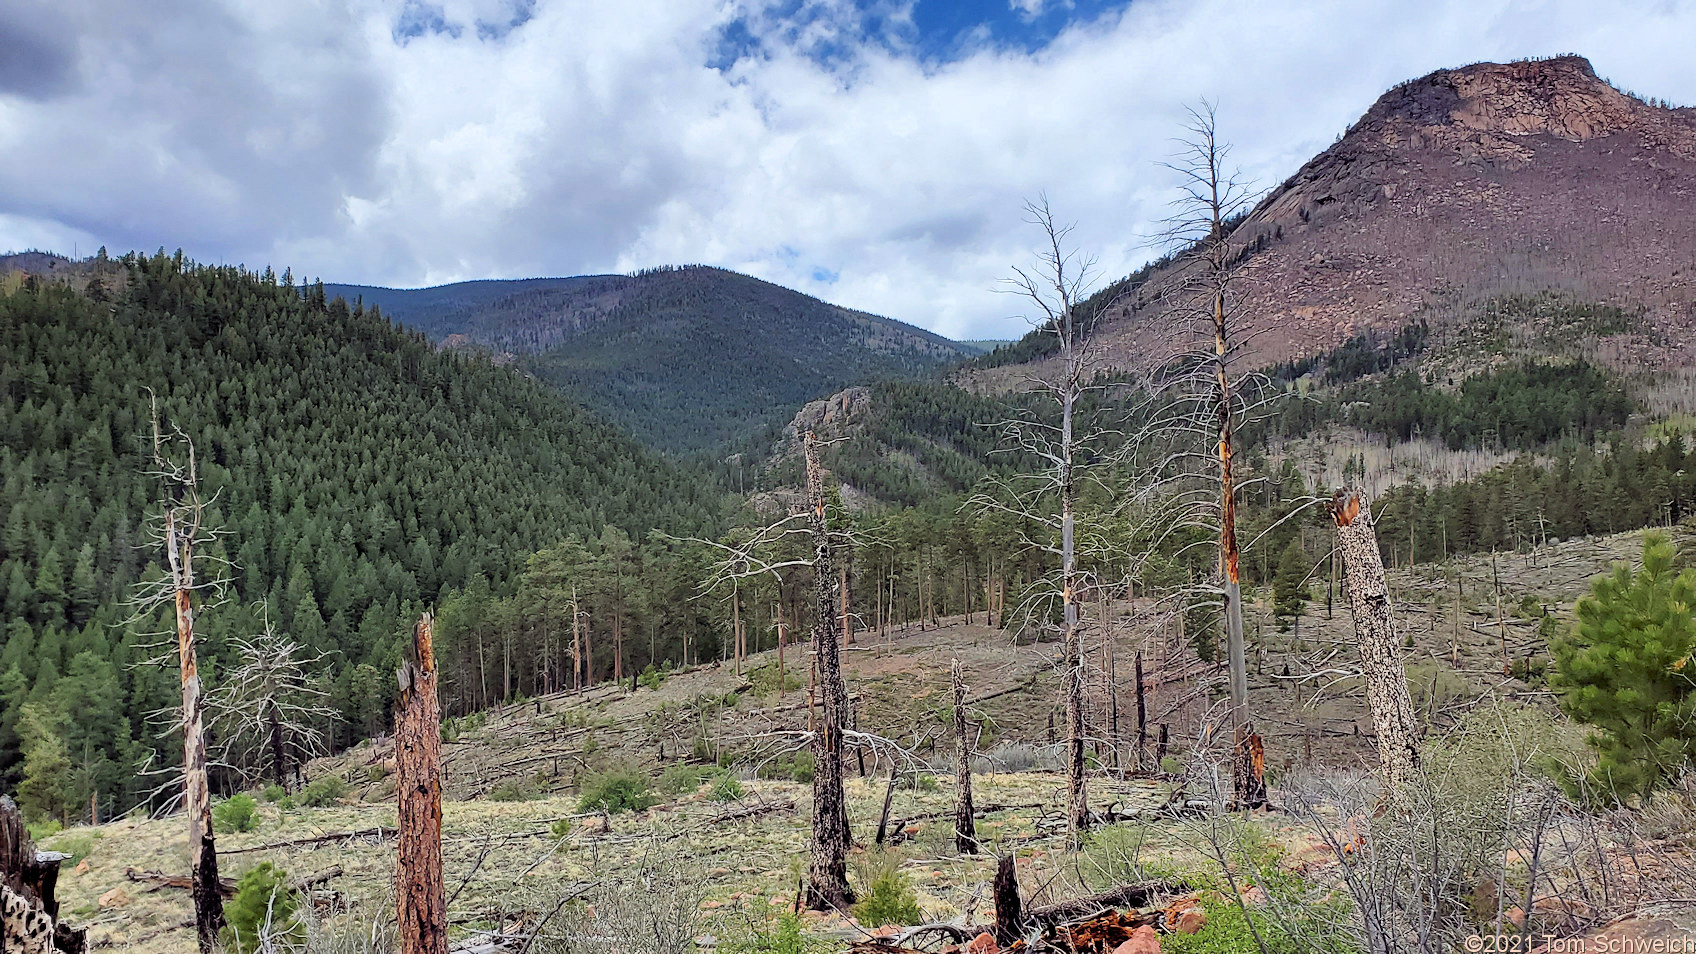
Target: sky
[{"x": 875, "y": 153}]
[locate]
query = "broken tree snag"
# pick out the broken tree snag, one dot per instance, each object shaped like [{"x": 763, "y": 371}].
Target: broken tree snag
[
  {"x": 180, "y": 529},
  {"x": 888, "y": 800},
  {"x": 965, "y": 830},
  {"x": 421, "y": 897},
  {"x": 827, "y": 874},
  {"x": 1142, "y": 719},
  {"x": 1009, "y": 916},
  {"x": 1374, "y": 627},
  {"x": 28, "y": 879}
]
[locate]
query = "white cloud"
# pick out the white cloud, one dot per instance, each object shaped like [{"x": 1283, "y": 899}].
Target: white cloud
[{"x": 402, "y": 142}]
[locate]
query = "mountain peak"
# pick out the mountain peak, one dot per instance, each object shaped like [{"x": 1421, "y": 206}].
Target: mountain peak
[{"x": 1561, "y": 97}]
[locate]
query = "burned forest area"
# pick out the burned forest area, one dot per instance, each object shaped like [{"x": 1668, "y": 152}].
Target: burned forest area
[{"x": 1328, "y": 584}]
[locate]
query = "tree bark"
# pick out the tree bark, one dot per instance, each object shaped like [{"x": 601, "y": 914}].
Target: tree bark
[
  {"x": 965, "y": 829},
  {"x": 28, "y": 881},
  {"x": 1374, "y": 627},
  {"x": 279, "y": 761},
  {"x": 1142, "y": 718},
  {"x": 197, "y": 795},
  {"x": 421, "y": 895},
  {"x": 827, "y": 887},
  {"x": 1009, "y": 914}
]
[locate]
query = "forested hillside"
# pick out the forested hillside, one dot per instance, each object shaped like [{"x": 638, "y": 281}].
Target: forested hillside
[
  {"x": 686, "y": 359},
  {"x": 358, "y": 474}
]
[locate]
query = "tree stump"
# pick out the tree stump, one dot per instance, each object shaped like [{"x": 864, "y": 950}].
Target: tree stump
[{"x": 28, "y": 879}]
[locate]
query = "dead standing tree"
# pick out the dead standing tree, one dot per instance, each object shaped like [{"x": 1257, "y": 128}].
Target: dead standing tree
[
  {"x": 1214, "y": 199},
  {"x": 421, "y": 898},
  {"x": 965, "y": 829},
  {"x": 1380, "y": 654},
  {"x": 828, "y": 732},
  {"x": 180, "y": 529},
  {"x": 827, "y": 874},
  {"x": 1047, "y": 500},
  {"x": 269, "y": 708}
]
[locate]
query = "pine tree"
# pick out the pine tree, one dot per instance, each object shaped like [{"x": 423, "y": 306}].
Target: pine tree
[
  {"x": 1626, "y": 669},
  {"x": 44, "y": 791},
  {"x": 1289, "y": 587}
]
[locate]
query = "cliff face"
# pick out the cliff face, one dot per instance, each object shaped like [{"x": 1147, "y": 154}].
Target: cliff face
[{"x": 1488, "y": 179}]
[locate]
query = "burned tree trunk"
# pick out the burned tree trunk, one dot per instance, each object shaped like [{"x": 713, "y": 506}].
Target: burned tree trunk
[
  {"x": 1009, "y": 913},
  {"x": 421, "y": 900},
  {"x": 28, "y": 880},
  {"x": 279, "y": 761},
  {"x": 1374, "y": 626},
  {"x": 888, "y": 800},
  {"x": 827, "y": 886},
  {"x": 197, "y": 795},
  {"x": 965, "y": 830},
  {"x": 1142, "y": 718}
]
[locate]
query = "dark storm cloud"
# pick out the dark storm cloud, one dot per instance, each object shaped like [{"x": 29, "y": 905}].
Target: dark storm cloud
[{"x": 37, "y": 55}]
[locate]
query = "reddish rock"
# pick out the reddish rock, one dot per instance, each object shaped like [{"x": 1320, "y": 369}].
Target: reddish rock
[
  {"x": 1191, "y": 921},
  {"x": 1143, "y": 941}
]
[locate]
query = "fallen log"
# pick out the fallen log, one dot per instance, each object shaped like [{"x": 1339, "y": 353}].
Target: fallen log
[
  {"x": 314, "y": 880},
  {"x": 377, "y": 834},
  {"x": 1133, "y": 895},
  {"x": 897, "y": 825},
  {"x": 182, "y": 925},
  {"x": 226, "y": 887}
]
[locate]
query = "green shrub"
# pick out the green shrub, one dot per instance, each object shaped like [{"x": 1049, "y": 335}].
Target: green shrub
[
  {"x": 725, "y": 789},
  {"x": 263, "y": 903},
  {"x": 78, "y": 845},
  {"x": 889, "y": 899},
  {"x": 682, "y": 778},
  {"x": 1227, "y": 931},
  {"x": 376, "y": 773},
  {"x": 805, "y": 763},
  {"x": 779, "y": 935},
  {"x": 286, "y": 803},
  {"x": 1172, "y": 765},
  {"x": 764, "y": 679},
  {"x": 275, "y": 793},
  {"x": 234, "y": 814},
  {"x": 518, "y": 790},
  {"x": 615, "y": 791},
  {"x": 324, "y": 791},
  {"x": 650, "y": 677},
  {"x": 560, "y": 828},
  {"x": 44, "y": 829},
  {"x": 798, "y": 767},
  {"x": 917, "y": 782}
]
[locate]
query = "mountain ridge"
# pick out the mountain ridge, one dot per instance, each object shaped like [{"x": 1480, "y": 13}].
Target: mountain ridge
[
  {"x": 687, "y": 358},
  {"x": 1451, "y": 189}
]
